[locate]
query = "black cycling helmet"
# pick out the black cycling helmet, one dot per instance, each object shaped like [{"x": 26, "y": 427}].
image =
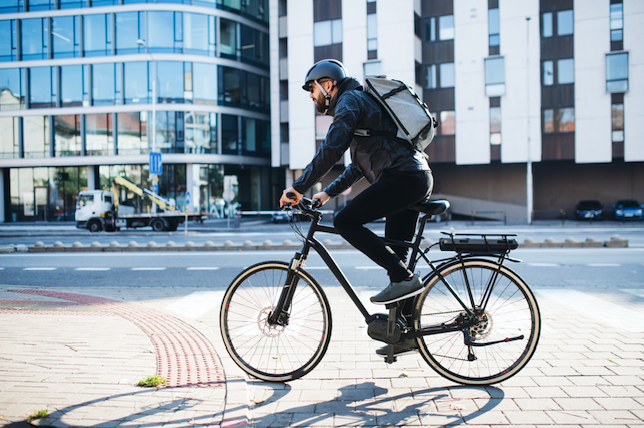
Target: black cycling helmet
[{"x": 327, "y": 68}]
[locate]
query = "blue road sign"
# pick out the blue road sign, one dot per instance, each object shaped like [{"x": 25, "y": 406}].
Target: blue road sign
[
  {"x": 156, "y": 165},
  {"x": 187, "y": 198},
  {"x": 155, "y": 188}
]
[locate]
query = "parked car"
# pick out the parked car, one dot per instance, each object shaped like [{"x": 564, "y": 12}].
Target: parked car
[
  {"x": 589, "y": 210},
  {"x": 628, "y": 209}
]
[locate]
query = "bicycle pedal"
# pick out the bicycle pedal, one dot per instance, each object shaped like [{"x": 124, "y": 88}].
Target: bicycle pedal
[{"x": 391, "y": 360}]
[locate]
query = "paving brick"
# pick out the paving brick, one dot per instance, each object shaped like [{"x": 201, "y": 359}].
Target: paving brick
[{"x": 527, "y": 417}]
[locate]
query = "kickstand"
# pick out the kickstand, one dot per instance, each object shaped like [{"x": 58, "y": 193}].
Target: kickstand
[{"x": 391, "y": 328}]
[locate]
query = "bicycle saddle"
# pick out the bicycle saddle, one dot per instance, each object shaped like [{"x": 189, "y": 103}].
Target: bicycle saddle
[{"x": 431, "y": 206}]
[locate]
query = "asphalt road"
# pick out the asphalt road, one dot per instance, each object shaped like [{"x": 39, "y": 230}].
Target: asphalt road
[{"x": 574, "y": 268}]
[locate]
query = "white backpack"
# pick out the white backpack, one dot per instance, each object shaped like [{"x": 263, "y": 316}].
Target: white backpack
[{"x": 412, "y": 117}]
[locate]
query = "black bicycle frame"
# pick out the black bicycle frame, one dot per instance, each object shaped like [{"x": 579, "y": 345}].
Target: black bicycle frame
[{"x": 280, "y": 314}]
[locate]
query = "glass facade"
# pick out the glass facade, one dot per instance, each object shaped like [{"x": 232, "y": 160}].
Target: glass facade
[{"x": 101, "y": 94}]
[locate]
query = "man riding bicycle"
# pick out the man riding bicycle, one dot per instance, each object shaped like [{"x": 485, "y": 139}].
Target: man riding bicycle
[{"x": 400, "y": 176}]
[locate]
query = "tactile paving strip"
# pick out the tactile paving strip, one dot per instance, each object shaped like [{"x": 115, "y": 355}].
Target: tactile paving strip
[{"x": 184, "y": 356}]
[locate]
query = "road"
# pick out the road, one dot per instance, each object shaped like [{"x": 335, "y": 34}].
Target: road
[{"x": 578, "y": 268}]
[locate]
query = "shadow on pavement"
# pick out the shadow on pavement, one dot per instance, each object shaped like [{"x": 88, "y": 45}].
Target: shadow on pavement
[{"x": 368, "y": 404}]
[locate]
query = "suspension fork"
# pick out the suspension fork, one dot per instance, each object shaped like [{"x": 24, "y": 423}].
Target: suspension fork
[{"x": 280, "y": 314}]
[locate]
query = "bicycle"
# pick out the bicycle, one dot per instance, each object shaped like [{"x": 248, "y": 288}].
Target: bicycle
[{"x": 476, "y": 322}]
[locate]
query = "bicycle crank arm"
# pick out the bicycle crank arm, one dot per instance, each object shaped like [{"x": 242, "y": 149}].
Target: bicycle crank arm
[{"x": 468, "y": 342}]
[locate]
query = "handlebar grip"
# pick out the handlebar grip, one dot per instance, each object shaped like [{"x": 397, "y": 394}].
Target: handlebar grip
[
  {"x": 291, "y": 195},
  {"x": 316, "y": 204}
]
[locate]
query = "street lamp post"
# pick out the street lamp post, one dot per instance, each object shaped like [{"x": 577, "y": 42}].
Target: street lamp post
[{"x": 529, "y": 160}]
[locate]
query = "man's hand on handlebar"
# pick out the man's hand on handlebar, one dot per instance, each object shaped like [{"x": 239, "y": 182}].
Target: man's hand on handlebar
[
  {"x": 320, "y": 199},
  {"x": 290, "y": 196}
]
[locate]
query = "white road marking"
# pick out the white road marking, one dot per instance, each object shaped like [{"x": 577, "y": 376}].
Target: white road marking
[
  {"x": 149, "y": 268},
  {"x": 197, "y": 304},
  {"x": 368, "y": 267},
  {"x": 40, "y": 268},
  {"x": 203, "y": 268},
  {"x": 315, "y": 267},
  {"x": 93, "y": 268},
  {"x": 604, "y": 264},
  {"x": 612, "y": 314},
  {"x": 543, "y": 264}
]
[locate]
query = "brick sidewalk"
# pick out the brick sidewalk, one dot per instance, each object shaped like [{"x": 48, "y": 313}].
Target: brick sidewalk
[{"x": 82, "y": 363}]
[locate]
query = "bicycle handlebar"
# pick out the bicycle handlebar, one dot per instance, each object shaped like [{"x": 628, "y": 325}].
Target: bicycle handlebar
[{"x": 306, "y": 205}]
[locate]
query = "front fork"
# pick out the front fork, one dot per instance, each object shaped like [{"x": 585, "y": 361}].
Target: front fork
[{"x": 280, "y": 314}]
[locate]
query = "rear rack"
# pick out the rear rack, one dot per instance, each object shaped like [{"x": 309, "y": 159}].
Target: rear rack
[{"x": 478, "y": 243}]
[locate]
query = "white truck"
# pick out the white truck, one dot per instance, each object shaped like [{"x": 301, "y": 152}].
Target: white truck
[{"x": 98, "y": 210}]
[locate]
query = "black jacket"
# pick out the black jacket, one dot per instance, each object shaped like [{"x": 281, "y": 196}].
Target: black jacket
[{"x": 370, "y": 156}]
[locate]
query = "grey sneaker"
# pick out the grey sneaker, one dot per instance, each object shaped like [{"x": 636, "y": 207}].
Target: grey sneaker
[
  {"x": 396, "y": 291},
  {"x": 407, "y": 345}
]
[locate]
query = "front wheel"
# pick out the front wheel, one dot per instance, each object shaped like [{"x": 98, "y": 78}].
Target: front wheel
[
  {"x": 503, "y": 308},
  {"x": 275, "y": 352}
]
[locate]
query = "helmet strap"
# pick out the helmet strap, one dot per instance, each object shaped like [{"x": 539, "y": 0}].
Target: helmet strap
[{"x": 327, "y": 95}]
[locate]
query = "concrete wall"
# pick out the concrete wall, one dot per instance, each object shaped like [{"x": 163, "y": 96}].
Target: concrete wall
[
  {"x": 514, "y": 105},
  {"x": 634, "y": 98},
  {"x": 592, "y": 102},
  {"x": 472, "y": 106},
  {"x": 301, "y": 111}
]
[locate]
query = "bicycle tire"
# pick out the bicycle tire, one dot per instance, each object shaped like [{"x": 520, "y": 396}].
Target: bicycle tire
[
  {"x": 275, "y": 353},
  {"x": 511, "y": 311}
]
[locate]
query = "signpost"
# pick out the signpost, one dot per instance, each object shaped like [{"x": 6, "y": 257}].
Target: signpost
[
  {"x": 187, "y": 204},
  {"x": 156, "y": 164}
]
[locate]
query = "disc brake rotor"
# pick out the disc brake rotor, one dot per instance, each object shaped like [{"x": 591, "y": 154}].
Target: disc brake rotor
[{"x": 267, "y": 329}]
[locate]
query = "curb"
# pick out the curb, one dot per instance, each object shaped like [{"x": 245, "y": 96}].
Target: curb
[{"x": 615, "y": 242}]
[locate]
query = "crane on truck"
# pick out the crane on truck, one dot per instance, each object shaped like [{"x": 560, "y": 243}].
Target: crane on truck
[{"x": 103, "y": 210}]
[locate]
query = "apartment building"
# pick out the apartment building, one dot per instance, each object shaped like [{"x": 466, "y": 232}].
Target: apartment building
[
  {"x": 540, "y": 101},
  {"x": 88, "y": 88}
]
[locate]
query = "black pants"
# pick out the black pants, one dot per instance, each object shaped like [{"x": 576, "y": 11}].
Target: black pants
[{"x": 389, "y": 197}]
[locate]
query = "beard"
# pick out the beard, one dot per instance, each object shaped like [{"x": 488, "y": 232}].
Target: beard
[{"x": 320, "y": 103}]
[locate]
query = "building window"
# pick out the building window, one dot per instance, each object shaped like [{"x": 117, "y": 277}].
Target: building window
[
  {"x": 12, "y": 88},
  {"x": 42, "y": 87},
  {"x": 447, "y": 123},
  {"x": 204, "y": 83},
  {"x": 447, "y": 77},
  {"x": 97, "y": 34},
  {"x": 548, "y": 73},
  {"x": 494, "y": 77},
  {"x": 201, "y": 132},
  {"x": 73, "y": 85},
  {"x": 103, "y": 84},
  {"x": 546, "y": 22},
  {"x": 132, "y": 133},
  {"x": 559, "y": 120},
  {"x": 171, "y": 82},
  {"x": 565, "y": 71},
  {"x": 617, "y": 72},
  {"x": 34, "y": 38},
  {"x": 65, "y": 35},
  {"x": 8, "y": 40},
  {"x": 136, "y": 77},
  {"x": 67, "y": 135},
  {"x": 36, "y": 136},
  {"x": 431, "y": 30},
  {"x": 327, "y": 32},
  {"x": 372, "y": 68},
  {"x": 130, "y": 27},
  {"x": 493, "y": 27},
  {"x": 495, "y": 126},
  {"x": 617, "y": 122},
  {"x": 446, "y": 27},
  {"x": 564, "y": 22},
  {"x": 228, "y": 37},
  {"x": 98, "y": 134},
  {"x": 431, "y": 82},
  {"x": 372, "y": 32},
  {"x": 616, "y": 22},
  {"x": 165, "y": 32},
  {"x": 229, "y": 134},
  {"x": 9, "y": 138}
]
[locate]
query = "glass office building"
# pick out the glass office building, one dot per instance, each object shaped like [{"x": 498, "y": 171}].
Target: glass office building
[{"x": 89, "y": 88}]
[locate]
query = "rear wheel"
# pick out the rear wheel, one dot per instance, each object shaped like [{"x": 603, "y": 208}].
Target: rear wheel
[
  {"x": 275, "y": 352},
  {"x": 511, "y": 312}
]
